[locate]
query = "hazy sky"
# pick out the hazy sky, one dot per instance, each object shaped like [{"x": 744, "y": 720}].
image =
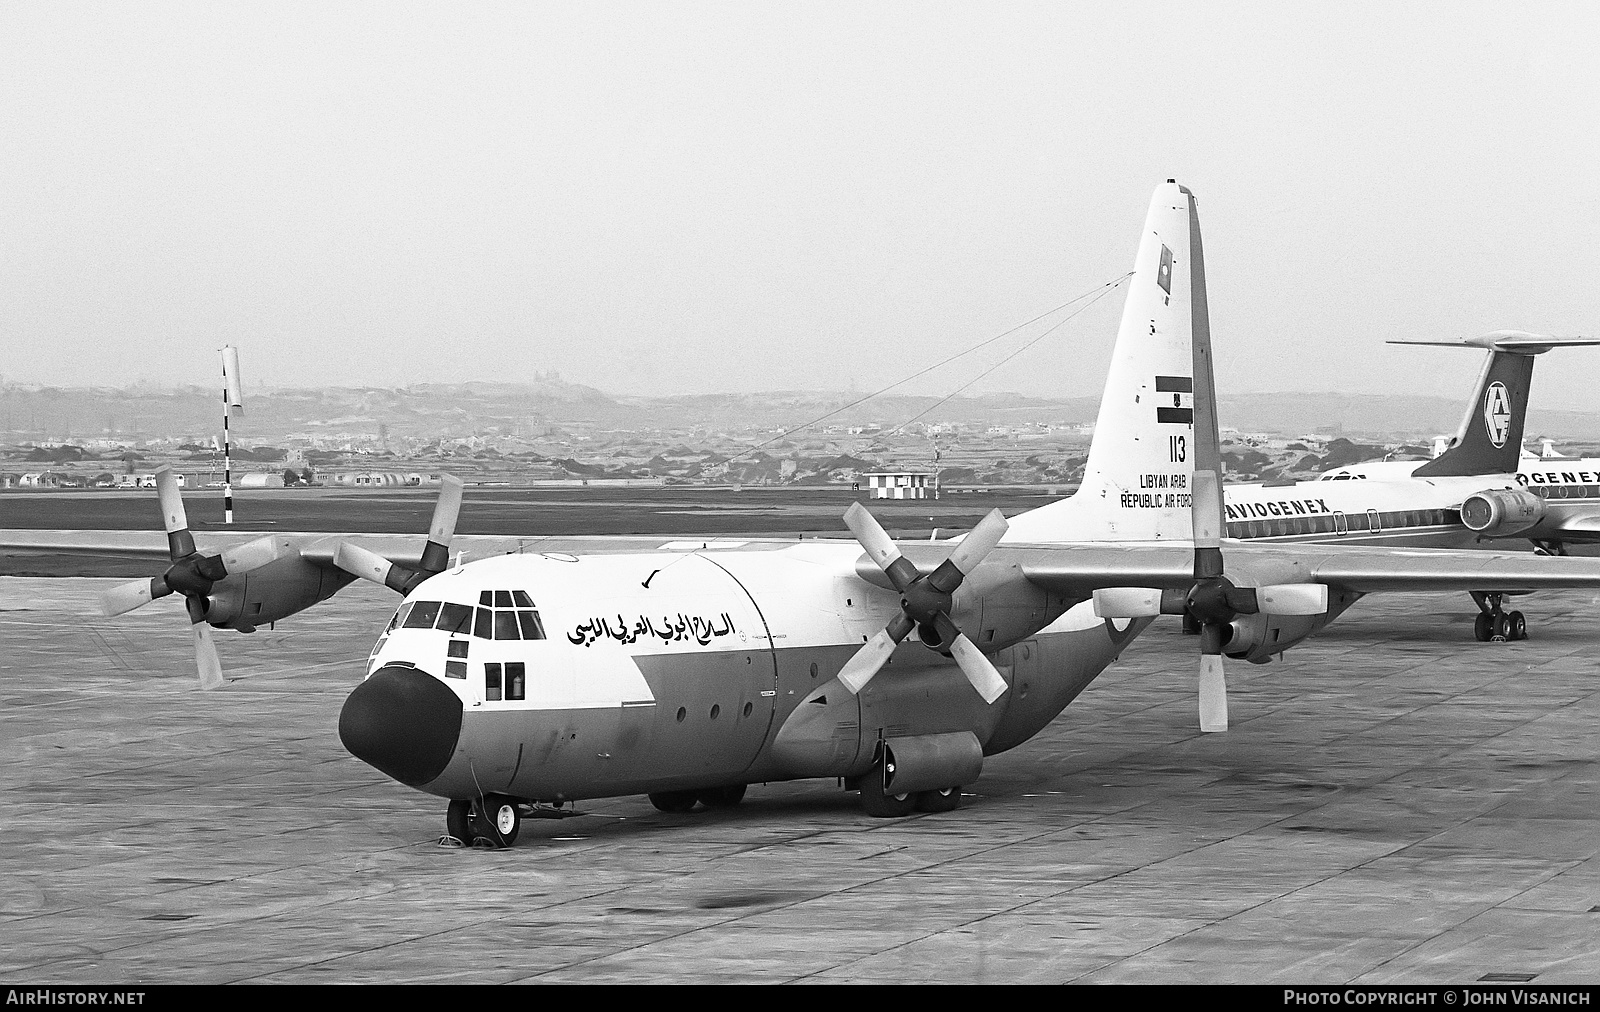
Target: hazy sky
[{"x": 679, "y": 197}]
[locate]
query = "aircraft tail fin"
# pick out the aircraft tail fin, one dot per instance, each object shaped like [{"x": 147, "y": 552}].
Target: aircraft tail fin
[
  {"x": 1489, "y": 440},
  {"x": 1139, "y": 475}
]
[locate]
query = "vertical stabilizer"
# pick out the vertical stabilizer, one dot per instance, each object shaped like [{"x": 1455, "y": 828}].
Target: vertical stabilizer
[
  {"x": 1489, "y": 440},
  {"x": 1140, "y": 473}
]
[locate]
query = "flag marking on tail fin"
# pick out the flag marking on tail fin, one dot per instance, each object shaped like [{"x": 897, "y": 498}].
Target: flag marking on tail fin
[
  {"x": 1164, "y": 273},
  {"x": 1181, "y": 411}
]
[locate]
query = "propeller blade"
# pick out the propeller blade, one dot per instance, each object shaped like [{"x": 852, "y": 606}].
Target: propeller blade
[
  {"x": 180, "y": 543},
  {"x": 172, "y": 514},
  {"x": 206, "y": 660},
  {"x": 436, "y": 553},
  {"x": 1213, "y": 694},
  {"x": 872, "y": 536},
  {"x": 367, "y": 565},
  {"x": 872, "y": 656},
  {"x": 445, "y": 512},
  {"x": 978, "y": 669},
  {"x": 205, "y": 657},
  {"x": 979, "y": 542},
  {"x": 125, "y": 597},
  {"x": 251, "y": 555},
  {"x": 1293, "y": 599},
  {"x": 1127, "y": 602}
]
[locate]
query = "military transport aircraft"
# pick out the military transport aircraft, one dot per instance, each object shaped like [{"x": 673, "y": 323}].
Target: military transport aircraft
[
  {"x": 1470, "y": 496},
  {"x": 690, "y": 670}
]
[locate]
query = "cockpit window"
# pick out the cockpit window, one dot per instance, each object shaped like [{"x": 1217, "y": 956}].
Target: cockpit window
[
  {"x": 456, "y": 618},
  {"x": 505, "y": 625},
  {"x": 399, "y": 616},
  {"x": 496, "y": 620},
  {"x": 423, "y": 614},
  {"x": 532, "y": 628}
]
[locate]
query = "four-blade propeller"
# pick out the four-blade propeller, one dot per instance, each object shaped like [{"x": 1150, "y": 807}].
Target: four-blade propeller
[
  {"x": 925, "y": 602},
  {"x": 1212, "y": 601},
  {"x": 191, "y": 574}
]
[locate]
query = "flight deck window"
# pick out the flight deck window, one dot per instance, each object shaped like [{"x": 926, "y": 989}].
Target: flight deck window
[
  {"x": 483, "y": 627},
  {"x": 505, "y": 625},
  {"x": 521, "y": 598},
  {"x": 502, "y": 599},
  {"x": 532, "y": 629},
  {"x": 400, "y": 616},
  {"x": 456, "y": 618},
  {"x": 491, "y": 681},
  {"x": 516, "y": 679},
  {"x": 423, "y": 614},
  {"x": 486, "y": 599}
]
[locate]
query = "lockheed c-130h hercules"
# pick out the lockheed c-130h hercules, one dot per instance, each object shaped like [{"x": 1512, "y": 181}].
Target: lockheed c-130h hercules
[{"x": 691, "y": 670}]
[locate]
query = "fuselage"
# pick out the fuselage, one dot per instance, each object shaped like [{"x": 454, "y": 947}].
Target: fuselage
[
  {"x": 557, "y": 677},
  {"x": 1398, "y": 511}
]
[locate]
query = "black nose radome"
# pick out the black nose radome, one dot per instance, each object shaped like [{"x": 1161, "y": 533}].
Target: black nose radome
[{"x": 404, "y": 722}]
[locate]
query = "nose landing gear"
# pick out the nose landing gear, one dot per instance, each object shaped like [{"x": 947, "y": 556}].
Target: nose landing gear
[
  {"x": 495, "y": 819},
  {"x": 1494, "y": 625}
]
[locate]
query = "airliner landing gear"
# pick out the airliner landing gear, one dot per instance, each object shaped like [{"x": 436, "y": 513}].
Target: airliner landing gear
[{"x": 1493, "y": 625}]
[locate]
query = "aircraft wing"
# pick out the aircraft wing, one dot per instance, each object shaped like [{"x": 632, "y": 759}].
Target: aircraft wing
[
  {"x": 1076, "y": 570},
  {"x": 1577, "y": 522},
  {"x": 319, "y": 549}
]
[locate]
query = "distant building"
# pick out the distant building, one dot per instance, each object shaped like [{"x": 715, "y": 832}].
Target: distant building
[{"x": 900, "y": 484}]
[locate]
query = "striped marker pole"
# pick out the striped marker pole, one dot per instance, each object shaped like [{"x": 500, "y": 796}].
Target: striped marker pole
[{"x": 232, "y": 401}]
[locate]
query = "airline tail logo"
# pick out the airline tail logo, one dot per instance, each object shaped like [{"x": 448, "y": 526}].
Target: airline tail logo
[
  {"x": 1164, "y": 273},
  {"x": 1497, "y": 413}
]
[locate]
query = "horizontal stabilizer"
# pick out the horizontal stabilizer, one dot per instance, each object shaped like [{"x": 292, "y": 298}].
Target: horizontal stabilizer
[{"x": 1518, "y": 342}]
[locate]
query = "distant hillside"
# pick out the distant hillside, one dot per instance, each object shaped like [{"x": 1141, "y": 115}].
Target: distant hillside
[{"x": 435, "y": 410}]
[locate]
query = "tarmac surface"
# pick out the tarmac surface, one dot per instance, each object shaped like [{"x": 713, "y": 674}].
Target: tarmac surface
[{"x": 1394, "y": 803}]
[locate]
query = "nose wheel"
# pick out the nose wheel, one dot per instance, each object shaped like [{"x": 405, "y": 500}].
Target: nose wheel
[
  {"x": 1494, "y": 625},
  {"x": 494, "y": 818}
]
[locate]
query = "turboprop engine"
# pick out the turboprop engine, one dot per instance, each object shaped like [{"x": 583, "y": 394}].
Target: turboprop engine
[{"x": 1502, "y": 513}]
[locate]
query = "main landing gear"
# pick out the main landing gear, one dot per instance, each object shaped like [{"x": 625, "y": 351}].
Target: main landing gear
[
  {"x": 1493, "y": 625},
  {"x": 711, "y": 797},
  {"x": 881, "y": 805},
  {"x": 495, "y": 819}
]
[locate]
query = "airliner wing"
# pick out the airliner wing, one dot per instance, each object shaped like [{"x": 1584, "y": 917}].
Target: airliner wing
[{"x": 1577, "y": 522}]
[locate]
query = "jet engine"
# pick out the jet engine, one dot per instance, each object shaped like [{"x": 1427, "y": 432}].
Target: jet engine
[{"x": 1502, "y": 513}]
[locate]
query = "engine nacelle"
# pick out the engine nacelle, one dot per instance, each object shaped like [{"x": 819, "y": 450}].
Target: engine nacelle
[
  {"x": 1257, "y": 638},
  {"x": 1502, "y": 513},
  {"x": 278, "y": 589}
]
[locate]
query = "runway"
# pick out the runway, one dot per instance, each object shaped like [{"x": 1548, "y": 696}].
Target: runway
[{"x": 1394, "y": 803}]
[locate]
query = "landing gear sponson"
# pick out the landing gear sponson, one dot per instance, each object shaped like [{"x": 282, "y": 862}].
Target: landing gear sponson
[
  {"x": 1493, "y": 625},
  {"x": 496, "y": 819}
]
